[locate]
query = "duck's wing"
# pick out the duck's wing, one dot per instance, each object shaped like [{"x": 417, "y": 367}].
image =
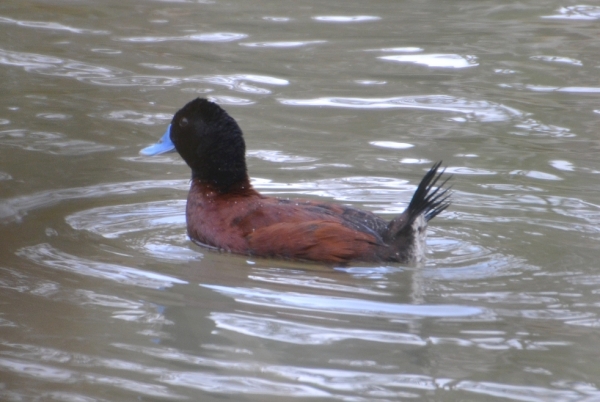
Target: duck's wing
[
  {"x": 318, "y": 240},
  {"x": 362, "y": 221}
]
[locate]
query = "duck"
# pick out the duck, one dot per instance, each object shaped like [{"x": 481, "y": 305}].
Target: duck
[{"x": 226, "y": 213}]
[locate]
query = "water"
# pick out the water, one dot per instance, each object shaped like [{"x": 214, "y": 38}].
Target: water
[{"x": 103, "y": 297}]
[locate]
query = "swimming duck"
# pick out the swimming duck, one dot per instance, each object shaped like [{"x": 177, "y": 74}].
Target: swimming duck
[{"x": 224, "y": 212}]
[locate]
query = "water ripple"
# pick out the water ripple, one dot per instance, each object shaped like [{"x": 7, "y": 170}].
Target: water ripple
[
  {"x": 576, "y": 90},
  {"x": 558, "y": 59},
  {"x": 49, "y": 65},
  {"x": 54, "y": 26},
  {"x": 110, "y": 301},
  {"x": 19, "y": 282},
  {"x": 565, "y": 166},
  {"x": 341, "y": 305},
  {"x": 371, "y": 384},
  {"x": 198, "y": 37},
  {"x": 53, "y": 116},
  {"x": 247, "y": 385},
  {"x": 278, "y": 156},
  {"x": 345, "y": 189},
  {"x": 156, "y": 228},
  {"x": 435, "y": 60},
  {"x": 47, "y": 256},
  {"x": 304, "y": 280},
  {"x": 469, "y": 171},
  {"x": 123, "y": 79},
  {"x": 404, "y": 49},
  {"x": 581, "y": 217},
  {"x": 304, "y": 334},
  {"x": 135, "y": 117},
  {"x": 232, "y": 100},
  {"x": 276, "y": 19},
  {"x": 282, "y": 44},
  {"x": 483, "y": 111},
  {"x": 391, "y": 144},
  {"x": 535, "y": 128},
  {"x": 17, "y": 207},
  {"x": 161, "y": 66},
  {"x": 476, "y": 111},
  {"x": 51, "y": 143},
  {"x": 114, "y": 221},
  {"x": 346, "y": 18},
  {"x": 527, "y": 393},
  {"x": 534, "y": 174},
  {"x": 239, "y": 82},
  {"x": 579, "y": 12},
  {"x": 111, "y": 76},
  {"x": 46, "y": 372},
  {"x": 382, "y": 382}
]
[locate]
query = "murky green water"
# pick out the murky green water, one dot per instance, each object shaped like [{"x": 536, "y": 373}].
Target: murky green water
[{"x": 103, "y": 297}]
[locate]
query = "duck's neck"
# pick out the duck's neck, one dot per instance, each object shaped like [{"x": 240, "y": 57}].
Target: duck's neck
[
  {"x": 210, "y": 189},
  {"x": 222, "y": 164},
  {"x": 224, "y": 182}
]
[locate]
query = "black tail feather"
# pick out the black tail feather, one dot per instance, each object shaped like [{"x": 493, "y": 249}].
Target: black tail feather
[
  {"x": 428, "y": 199},
  {"x": 407, "y": 240}
]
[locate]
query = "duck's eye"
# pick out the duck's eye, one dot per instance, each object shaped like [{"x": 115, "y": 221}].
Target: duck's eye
[{"x": 183, "y": 122}]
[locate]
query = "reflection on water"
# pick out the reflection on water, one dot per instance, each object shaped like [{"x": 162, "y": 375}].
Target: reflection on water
[
  {"x": 342, "y": 18},
  {"x": 100, "y": 75},
  {"x": 52, "y": 143},
  {"x": 16, "y": 208},
  {"x": 53, "y": 26},
  {"x": 104, "y": 297},
  {"x": 46, "y": 255},
  {"x": 482, "y": 111},
  {"x": 282, "y": 44},
  {"x": 579, "y": 12},
  {"x": 203, "y": 37},
  {"x": 436, "y": 60}
]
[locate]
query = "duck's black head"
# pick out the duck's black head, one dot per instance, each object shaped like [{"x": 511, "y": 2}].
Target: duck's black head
[{"x": 211, "y": 143}]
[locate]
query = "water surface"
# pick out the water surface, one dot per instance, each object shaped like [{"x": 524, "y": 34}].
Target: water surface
[{"x": 104, "y": 298}]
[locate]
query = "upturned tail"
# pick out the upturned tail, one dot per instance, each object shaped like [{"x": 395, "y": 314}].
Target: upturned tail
[
  {"x": 406, "y": 233},
  {"x": 428, "y": 199}
]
